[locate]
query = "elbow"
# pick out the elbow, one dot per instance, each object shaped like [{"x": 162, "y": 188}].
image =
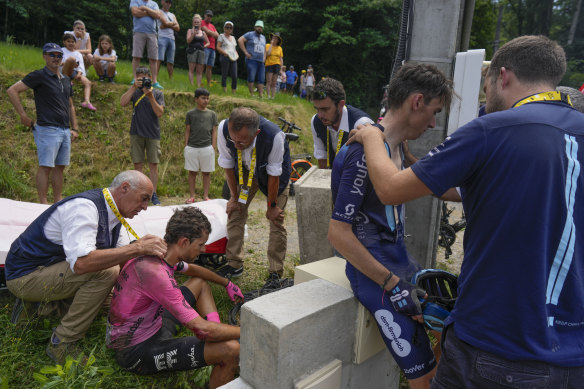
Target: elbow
[{"x": 79, "y": 268}]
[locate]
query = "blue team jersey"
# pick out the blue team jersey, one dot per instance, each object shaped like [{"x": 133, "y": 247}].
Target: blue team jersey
[{"x": 521, "y": 287}]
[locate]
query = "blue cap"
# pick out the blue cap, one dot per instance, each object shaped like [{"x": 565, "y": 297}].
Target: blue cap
[{"x": 52, "y": 48}]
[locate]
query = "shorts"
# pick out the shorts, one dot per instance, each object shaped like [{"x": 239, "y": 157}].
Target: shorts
[
  {"x": 53, "y": 145},
  {"x": 405, "y": 338},
  {"x": 140, "y": 145},
  {"x": 142, "y": 39},
  {"x": 289, "y": 86},
  {"x": 309, "y": 91},
  {"x": 209, "y": 57},
  {"x": 255, "y": 71},
  {"x": 198, "y": 56},
  {"x": 465, "y": 366},
  {"x": 164, "y": 352},
  {"x": 283, "y": 86},
  {"x": 166, "y": 48},
  {"x": 273, "y": 69},
  {"x": 199, "y": 158}
]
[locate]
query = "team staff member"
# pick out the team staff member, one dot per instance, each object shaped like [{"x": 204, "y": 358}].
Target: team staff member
[
  {"x": 333, "y": 120},
  {"x": 55, "y": 112},
  {"x": 517, "y": 318},
  {"x": 254, "y": 154},
  {"x": 71, "y": 251}
]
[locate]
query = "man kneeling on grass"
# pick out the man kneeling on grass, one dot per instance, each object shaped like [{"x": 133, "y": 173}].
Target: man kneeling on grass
[{"x": 148, "y": 304}]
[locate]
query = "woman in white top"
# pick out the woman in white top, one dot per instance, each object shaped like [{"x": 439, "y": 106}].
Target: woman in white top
[
  {"x": 227, "y": 48},
  {"x": 309, "y": 84},
  {"x": 82, "y": 42}
]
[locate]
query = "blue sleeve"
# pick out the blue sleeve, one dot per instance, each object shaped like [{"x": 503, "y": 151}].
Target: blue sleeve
[
  {"x": 455, "y": 160},
  {"x": 350, "y": 179}
]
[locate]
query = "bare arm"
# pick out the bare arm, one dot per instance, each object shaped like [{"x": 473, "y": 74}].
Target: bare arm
[
  {"x": 13, "y": 95},
  {"x": 104, "y": 259},
  {"x": 139, "y": 12},
  {"x": 157, "y": 108},
  {"x": 206, "y": 274},
  {"x": 322, "y": 164},
  {"x": 241, "y": 42},
  {"x": 232, "y": 204},
  {"x": 127, "y": 97},
  {"x": 208, "y": 32},
  {"x": 274, "y": 214},
  {"x": 190, "y": 35},
  {"x": 218, "y": 48},
  {"x": 207, "y": 43},
  {"x": 214, "y": 138},
  {"x": 211, "y": 331},
  {"x": 187, "y": 134},
  {"x": 73, "y": 120}
]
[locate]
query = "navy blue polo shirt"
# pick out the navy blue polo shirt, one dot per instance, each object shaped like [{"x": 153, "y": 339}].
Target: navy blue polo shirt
[{"x": 51, "y": 97}]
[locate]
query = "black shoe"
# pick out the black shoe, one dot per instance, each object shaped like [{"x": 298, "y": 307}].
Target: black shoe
[
  {"x": 111, "y": 80},
  {"x": 154, "y": 199},
  {"x": 272, "y": 283},
  {"x": 23, "y": 311},
  {"x": 230, "y": 272},
  {"x": 101, "y": 78}
]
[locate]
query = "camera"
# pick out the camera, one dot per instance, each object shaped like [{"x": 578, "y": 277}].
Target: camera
[{"x": 146, "y": 82}]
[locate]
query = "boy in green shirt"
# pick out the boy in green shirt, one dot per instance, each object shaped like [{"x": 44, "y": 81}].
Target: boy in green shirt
[{"x": 200, "y": 143}]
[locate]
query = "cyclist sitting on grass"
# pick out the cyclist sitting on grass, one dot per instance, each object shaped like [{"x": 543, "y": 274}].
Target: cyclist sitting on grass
[
  {"x": 370, "y": 235},
  {"x": 147, "y": 305}
]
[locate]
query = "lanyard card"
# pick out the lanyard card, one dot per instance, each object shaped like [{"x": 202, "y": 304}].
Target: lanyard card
[{"x": 243, "y": 196}]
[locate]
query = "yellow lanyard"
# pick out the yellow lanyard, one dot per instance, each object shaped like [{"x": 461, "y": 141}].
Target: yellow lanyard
[
  {"x": 545, "y": 96},
  {"x": 140, "y": 99},
  {"x": 339, "y": 141},
  {"x": 114, "y": 209},
  {"x": 243, "y": 192}
]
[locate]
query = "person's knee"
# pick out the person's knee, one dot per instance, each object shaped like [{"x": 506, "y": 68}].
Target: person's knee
[{"x": 197, "y": 286}]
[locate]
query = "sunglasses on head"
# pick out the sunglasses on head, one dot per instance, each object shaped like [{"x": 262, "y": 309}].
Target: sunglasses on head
[{"x": 53, "y": 55}]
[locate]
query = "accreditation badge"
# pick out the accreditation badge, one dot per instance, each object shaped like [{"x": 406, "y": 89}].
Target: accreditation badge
[{"x": 243, "y": 195}]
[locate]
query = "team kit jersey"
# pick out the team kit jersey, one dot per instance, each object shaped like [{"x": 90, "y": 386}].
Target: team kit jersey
[
  {"x": 535, "y": 235},
  {"x": 380, "y": 229}
]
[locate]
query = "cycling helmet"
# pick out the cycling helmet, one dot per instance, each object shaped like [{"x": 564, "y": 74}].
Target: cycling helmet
[{"x": 441, "y": 287}]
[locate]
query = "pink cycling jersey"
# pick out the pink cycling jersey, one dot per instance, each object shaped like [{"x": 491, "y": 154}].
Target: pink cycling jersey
[{"x": 145, "y": 287}]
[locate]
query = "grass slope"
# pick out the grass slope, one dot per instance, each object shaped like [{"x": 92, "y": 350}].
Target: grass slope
[{"x": 97, "y": 156}]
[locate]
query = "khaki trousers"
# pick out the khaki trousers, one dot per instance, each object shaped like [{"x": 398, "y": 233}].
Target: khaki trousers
[
  {"x": 57, "y": 282},
  {"x": 278, "y": 238}
]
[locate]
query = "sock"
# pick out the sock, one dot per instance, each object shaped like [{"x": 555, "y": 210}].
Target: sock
[{"x": 213, "y": 316}]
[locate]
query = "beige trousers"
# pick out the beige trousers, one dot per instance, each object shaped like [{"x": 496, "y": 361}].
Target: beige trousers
[{"x": 87, "y": 293}]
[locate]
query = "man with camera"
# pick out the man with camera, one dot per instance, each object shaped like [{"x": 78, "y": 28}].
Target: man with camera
[{"x": 148, "y": 105}]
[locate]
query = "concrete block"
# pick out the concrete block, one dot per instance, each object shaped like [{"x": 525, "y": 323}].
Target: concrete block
[
  {"x": 327, "y": 377},
  {"x": 237, "y": 383},
  {"x": 313, "y": 209},
  {"x": 291, "y": 333},
  {"x": 378, "y": 372}
]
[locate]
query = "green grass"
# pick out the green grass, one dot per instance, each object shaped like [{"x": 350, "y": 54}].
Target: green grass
[{"x": 97, "y": 156}]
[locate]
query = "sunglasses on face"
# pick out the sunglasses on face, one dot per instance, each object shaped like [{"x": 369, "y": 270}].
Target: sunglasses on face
[
  {"x": 228, "y": 28},
  {"x": 53, "y": 55}
]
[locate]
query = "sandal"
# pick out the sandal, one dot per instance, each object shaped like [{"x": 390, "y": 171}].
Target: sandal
[
  {"x": 89, "y": 106},
  {"x": 190, "y": 201}
]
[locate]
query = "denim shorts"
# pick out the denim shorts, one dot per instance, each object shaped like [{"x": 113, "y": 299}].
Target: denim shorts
[
  {"x": 209, "y": 57},
  {"x": 464, "y": 366},
  {"x": 53, "y": 145},
  {"x": 166, "y": 49},
  {"x": 255, "y": 71}
]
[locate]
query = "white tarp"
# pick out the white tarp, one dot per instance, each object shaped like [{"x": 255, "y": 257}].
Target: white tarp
[{"x": 15, "y": 216}]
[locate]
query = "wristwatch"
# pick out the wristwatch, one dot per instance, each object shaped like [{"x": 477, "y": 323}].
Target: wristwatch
[{"x": 273, "y": 204}]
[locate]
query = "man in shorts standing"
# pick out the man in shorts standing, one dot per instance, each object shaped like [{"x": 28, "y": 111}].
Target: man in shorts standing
[
  {"x": 253, "y": 45},
  {"x": 167, "y": 26},
  {"x": 209, "y": 29},
  {"x": 55, "y": 112},
  {"x": 148, "y": 105},
  {"x": 145, "y": 13},
  {"x": 200, "y": 143}
]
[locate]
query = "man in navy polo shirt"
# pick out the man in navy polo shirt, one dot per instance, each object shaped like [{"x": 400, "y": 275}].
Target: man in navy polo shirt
[
  {"x": 518, "y": 320},
  {"x": 254, "y": 154},
  {"x": 55, "y": 112},
  {"x": 333, "y": 120}
]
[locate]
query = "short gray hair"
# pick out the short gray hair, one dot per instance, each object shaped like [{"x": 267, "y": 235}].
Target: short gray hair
[
  {"x": 244, "y": 117},
  {"x": 576, "y": 97},
  {"x": 132, "y": 177}
]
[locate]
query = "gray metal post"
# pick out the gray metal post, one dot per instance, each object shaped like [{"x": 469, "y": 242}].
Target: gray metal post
[{"x": 436, "y": 37}]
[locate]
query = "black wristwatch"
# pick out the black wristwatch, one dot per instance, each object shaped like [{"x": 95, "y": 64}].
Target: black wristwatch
[{"x": 273, "y": 204}]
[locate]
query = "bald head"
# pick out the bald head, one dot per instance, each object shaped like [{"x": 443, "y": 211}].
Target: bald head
[
  {"x": 131, "y": 191},
  {"x": 132, "y": 177}
]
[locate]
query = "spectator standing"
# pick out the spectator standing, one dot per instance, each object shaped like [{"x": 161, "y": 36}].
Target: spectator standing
[
  {"x": 148, "y": 106},
  {"x": 145, "y": 13},
  {"x": 56, "y": 124},
  {"x": 291, "y": 80},
  {"x": 333, "y": 120},
  {"x": 105, "y": 59},
  {"x": 309, "y": 80},
  {"x": 303, "y": 84},
  {"x": 197, "y": 42},
  {"x": 167, "y": 27},
  {"x": 253, "y": 45},
  {"x": 254, "y": 154},
  {"x": 72, "y": 252},
  {"x": 200, "y": 143},
  {"x": 227, "y": 48},
  {"x": 283, "y": 78},
  {"x": 82, "y": 42},
  {"x": 211, "y": 32},
  {"x": 274, "y": 60},
  {"x": 74, "y": 68}
]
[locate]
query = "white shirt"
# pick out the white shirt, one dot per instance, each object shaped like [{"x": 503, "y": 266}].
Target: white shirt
[
  {"x": 78, "y": 57},
  {"x": 320, "y": 146},
  {"x": 275, "y": 158},
  {"x": 74, "y": 226}
]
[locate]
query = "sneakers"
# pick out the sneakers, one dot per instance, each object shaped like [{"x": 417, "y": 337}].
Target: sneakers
[
  {"x": 102, "y": 78},
  {"x": 230, "y": 272},
  {"x": 23, "y": 311},
  {"x": 272, "y": 283},
  {"x": 157, "y": 85},
  {"x": 154, "y": 199},
  {"x": 111, "y": 80},
  {"x": 58, "y": 351}
]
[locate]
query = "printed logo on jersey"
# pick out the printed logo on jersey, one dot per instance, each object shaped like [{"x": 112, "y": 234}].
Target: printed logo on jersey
[
  {"x": 439, "y": 148},
  {"x": 414, "y": 369},
  {"x": 392, "y": 331},
  {"x": 165, "y": 361},
  {"x": 349, "y": 209},
  {"x": 191, "y": 355},
  {"x": 360, "y": 177}
]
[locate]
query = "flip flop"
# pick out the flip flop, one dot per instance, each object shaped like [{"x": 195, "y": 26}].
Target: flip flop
[
  {"x": 190, "y": 201},
  {"x": 89, "y": 106}
]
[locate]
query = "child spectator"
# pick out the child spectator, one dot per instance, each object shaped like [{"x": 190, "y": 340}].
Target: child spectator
[
  {"x": 200, "y": 143},
  {"x": 283, "y": 78},
  {"x": 74, "y": 68},
  {"x": 82, "y": 42},
  {"x": 104, "y": 59}
]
